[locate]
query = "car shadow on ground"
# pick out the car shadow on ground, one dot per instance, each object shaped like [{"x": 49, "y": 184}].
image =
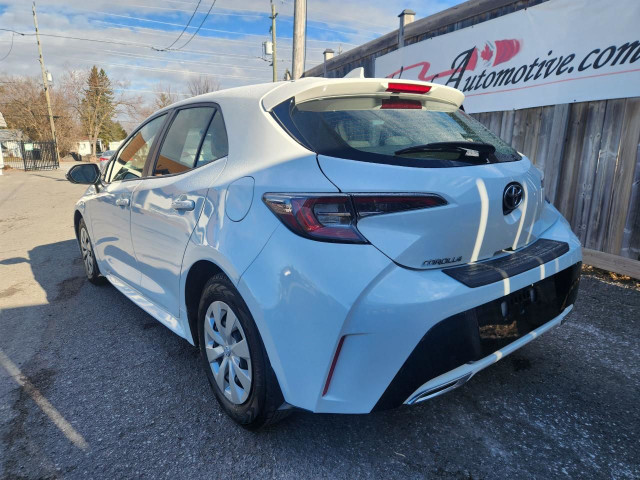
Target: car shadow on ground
[{"x": 131, "y": 387}]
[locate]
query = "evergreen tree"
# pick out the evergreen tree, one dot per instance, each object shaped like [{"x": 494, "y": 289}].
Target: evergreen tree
[
  {"x": 112, "y": 132},
  {"x": 97, "y": 107}
]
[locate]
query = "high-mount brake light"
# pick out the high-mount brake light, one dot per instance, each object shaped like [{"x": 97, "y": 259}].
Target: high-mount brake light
[
  {"x": 392, "y": 103},
  {"x": 332, "y": 217},
  {"x": 407, "y": 88}
]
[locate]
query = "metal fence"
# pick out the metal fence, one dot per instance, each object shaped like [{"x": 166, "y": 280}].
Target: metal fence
[{"x": 30, "y": 155}]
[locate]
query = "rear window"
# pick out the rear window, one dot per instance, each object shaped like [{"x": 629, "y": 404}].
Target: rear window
[{"x": 377, "y": 130}]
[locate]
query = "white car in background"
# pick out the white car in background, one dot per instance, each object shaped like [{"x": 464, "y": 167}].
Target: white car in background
[{"x": 335, "y": 245}]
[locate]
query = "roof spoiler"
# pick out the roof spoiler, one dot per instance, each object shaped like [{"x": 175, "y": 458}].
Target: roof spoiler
[{"x": 355, "y": 73}]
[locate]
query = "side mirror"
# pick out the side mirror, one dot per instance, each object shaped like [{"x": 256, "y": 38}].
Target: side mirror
[{"x": 85, "y": 174}]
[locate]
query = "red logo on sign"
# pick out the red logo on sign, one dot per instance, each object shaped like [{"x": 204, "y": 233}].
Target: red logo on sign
[{"x": 492, "y": 54}]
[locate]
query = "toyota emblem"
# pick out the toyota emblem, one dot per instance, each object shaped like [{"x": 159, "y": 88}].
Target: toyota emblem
[{"x": 512, "y": 197}]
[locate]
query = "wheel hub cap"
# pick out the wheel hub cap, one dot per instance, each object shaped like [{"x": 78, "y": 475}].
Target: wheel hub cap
[
  {"x": 87, "y": 252},
  {"x": 228, "y": 352}
]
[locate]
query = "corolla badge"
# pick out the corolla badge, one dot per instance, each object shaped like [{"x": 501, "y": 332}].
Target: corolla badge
[
  {"x": 441, "y": 261},
  {"x": 512, "y": 197}
]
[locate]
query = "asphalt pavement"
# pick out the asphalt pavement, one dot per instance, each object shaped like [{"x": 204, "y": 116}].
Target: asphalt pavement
[{"x": 93, "y": 387}]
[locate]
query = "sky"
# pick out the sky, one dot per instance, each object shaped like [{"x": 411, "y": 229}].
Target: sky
[{"x": 227, "y": 47}]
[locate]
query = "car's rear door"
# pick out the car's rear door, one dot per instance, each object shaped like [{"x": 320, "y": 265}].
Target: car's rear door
[
  {"x": 110, "y": 211},
  {"x": 166, "y": 206}
]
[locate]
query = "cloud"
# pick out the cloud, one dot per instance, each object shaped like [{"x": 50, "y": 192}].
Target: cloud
[{"x": 228, "y": 46}]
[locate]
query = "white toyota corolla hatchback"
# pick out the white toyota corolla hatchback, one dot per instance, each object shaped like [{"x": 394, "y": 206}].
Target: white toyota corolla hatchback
[{"x": 335, "y": 245}]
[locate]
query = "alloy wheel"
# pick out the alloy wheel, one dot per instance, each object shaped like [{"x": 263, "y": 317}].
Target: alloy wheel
[{"x": 228, "y": 352}]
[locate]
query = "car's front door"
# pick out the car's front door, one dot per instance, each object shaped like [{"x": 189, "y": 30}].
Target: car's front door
[
  {"x": 110, "y": 211},
  {"x": 166, "y": 205}
]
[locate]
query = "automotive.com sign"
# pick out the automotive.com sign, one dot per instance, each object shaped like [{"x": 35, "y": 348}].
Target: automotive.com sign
[{"x": 560, "y": 51}]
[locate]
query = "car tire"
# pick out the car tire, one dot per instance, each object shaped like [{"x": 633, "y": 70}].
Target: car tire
[
  {"x": 88, "y": 256},
  {"x": 234, "y": 358}
]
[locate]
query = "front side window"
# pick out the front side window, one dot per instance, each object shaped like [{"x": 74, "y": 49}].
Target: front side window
[
  {"x": 133, "y": 155},
  {"x": 181, "y": 144},
  {"x": 393, "y": 130}
]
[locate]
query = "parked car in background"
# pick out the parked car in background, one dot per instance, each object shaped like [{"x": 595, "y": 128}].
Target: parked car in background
[
  {"x": 104, "y": 158},
  {"x": 336, "y": 245}
]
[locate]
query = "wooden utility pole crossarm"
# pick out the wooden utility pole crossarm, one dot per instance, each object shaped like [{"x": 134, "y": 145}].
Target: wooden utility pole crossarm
[{"x": 45, "y": 83}]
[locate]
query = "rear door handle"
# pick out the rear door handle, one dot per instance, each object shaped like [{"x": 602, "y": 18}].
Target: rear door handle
[
  {"x": 122, "y": 202},
  {"x": 182, "y": 204}
]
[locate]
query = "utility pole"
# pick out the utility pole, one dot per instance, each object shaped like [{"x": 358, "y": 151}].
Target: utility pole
[
  {"x": 3, "y": 124},
  {"x": 45, "y": 82},
  {"x": 299, "y": 35},
  {"x": 273, "y": 41}
]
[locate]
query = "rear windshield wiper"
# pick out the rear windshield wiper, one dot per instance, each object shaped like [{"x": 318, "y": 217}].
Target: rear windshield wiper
[{"x": 460, "y": 147}]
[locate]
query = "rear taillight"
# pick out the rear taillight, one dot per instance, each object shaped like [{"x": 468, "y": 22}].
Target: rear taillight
[
  {"x": 327, "y": 217},
  {"x": 367, "y": 204},
  {"x": 333, "y": 217}
]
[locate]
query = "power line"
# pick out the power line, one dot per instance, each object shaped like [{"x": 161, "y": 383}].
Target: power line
[
  {"x": 179, "y": 1},
  {"x": 338, "y": 31},
  {"x": 180, "y": 61},
  {"x": 154, "y": 69},
  {"x": 162, "y": 33},
  {"x": 174, "y": 24},
  {"x": 258, "y": 14},
  {"x": 201, "y": 53},
  {"x": 252, "y": 15},
  {"x": 136, "y": 44},
  {"x": 10, "y": 48},
  {"x": 112, "y": 42},
  {"x": 199, "y": 27},
  {"x": 185, "y": 27},
  {"x": 216, "y": 64},
  {"x": 321, "y": 12},
  {"x": 204, "y": 28},
  {"x": 158, "y": 32}
]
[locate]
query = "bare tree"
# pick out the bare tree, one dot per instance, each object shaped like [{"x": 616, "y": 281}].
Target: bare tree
[
  {"x": 202, "y": 84},
  {"x": 164, "y": 96},
  {"x": 24, "y": 108},
  {"x": 140, "y": 111}
]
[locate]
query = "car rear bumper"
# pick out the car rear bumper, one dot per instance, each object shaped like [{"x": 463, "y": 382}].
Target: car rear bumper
[
  {"x": 311, "y": 300},
  {"x": 459, "y": 346},
  {"x": 460, "y": 375}
]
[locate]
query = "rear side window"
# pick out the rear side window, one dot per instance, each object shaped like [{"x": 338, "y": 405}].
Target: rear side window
[
  {"x": 215, "y": 143},
  {"x": 377, "y": 130},
  {"x": 133, "y": 155},
  {"x": 182, "y": 142}
]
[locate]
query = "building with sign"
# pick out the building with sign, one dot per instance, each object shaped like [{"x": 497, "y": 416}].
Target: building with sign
[{"x": 559, "y": 80}]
